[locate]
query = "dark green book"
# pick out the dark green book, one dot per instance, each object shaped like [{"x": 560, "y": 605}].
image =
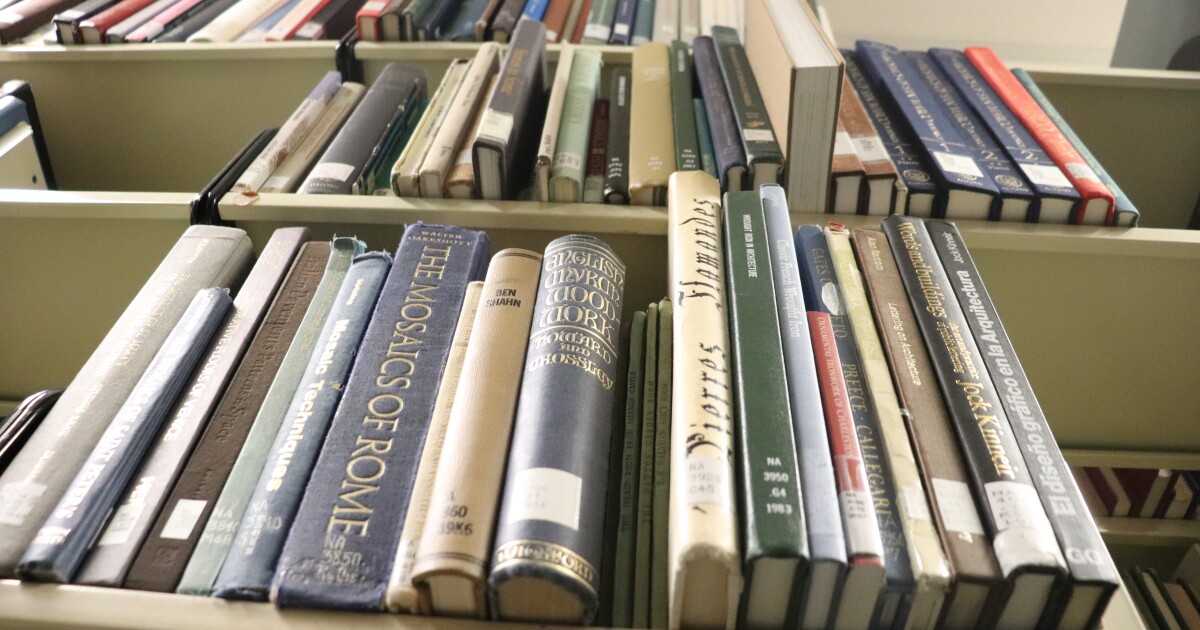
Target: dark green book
[
  {"x": 660, "y": 549},
  {"x": 631, "y": 459},
  {"x": 645, "y": 503},
  {"x": 763, "y": 155},
  {"x": 708, "y": 157},
  {"x": 774, "y": 539},
  {"x": 683, "y": 116}
]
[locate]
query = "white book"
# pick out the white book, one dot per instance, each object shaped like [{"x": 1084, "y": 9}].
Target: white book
[
  {"x": 666, "y": 21},
  {"x": 554, "y": 107},
  {"x": 406, "y": 170},
  {"x": 470, "y": 97},
  {"x": 689, "y": 20},
  {"x": 235, "y": 20},
  {"x": 289, "y": 135},
  {"x": 300, "y": 13},
  {"x": 709, "y": 10},
  {"x": 288, "y": 175}
]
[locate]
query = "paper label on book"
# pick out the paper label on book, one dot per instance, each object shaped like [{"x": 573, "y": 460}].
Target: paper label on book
[
  {"x": 17, "y": 501},
  {"x": 332, "y": 170},
  {"x": 1016, "y": 505},
  {"x": 275, "y": 184},
  {"x": 842, "y": 144},
  {"x": 121, "y": 525},
  {"x": 546, "y": 494},
  {"x": 957, "y": 506},
  {"x": 856, "y": 509},
  {"x": 708, "y": 481},
  {"x": 1082, "y": 171},
  {"x": 957, "y": 164},
  {"x": 311, "y": 30},
  {"x": 597, "y": 31},
  {"x": 1045, "y": 175},
  {"x": 621, "y": 30},
  {"x": 870, "y": 149},
  {"x": 758, "y": 135},
  {"x": 915, "y": 504},
  {"x": 496, "y": 125},
  {"x": 568, "y": 160},
  {"x": 183, "y": 519}
]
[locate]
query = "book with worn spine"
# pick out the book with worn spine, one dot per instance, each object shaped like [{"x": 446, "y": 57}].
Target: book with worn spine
[
  {"x": 764, "y": 158},
  {"x": 593, "y": 180},
  {"x": 705, "y": 576},
  {"x": 504, "y": 23},
  {"x": 58, "y": 549},
  {"x": 631, "y": 461},
  {"x": 652, "y": 147},
  {"x": 550, "y": 126},
  {"x": 846, "y": 173},
  {"x": 571, "y": 149},
  {"x": 683, "y": 116},
  {"x": 376, "y": 176},
  {"x": 30, "y": 488},
  {"x": 661, "y": 481},
  {"x": 471, "y": 95},
  {"x": 616, "y": 163},
  {"x": 290, "y": 134},
  {"x": 879, "y": 188},
  {"x": 726, "y": 141},
  {"x": 460, "y": 179},
  {"x": 370, "y": 454},
  {"x": 290, "y": 172},
  {"x": 645, "y": 506},
  {"x": 406, "y": 172}
]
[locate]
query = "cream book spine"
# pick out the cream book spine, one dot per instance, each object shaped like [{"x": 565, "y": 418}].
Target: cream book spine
[
  {"x": 460, "y": 180},
  {"x": 402, "y": 596},
  {"x": 291, "y": 134},
  {"x": 689, "y": 20},
  {"x": 666, "y": 21},
  {"x": 406, "y": 176},
  {"x": 470, "y": 97},
  {"x": 291, "y": 171},
  {"x": 450, "y": 569},
  {"x": 554, "y": 108},
  {"x": 705, "y": 579},
  {"x": 235, "y": 20},
  {"x": 652, "y": 147}
]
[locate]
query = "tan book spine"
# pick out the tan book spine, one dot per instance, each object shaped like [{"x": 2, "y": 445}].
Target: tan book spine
[
  {"x": 402, "y": 596},
  {"x": 881, "y": 174},
  {"x": 447, "y": 138},
  {"x": 845, "y": 174},
  {"x": 554, "y": 107},
  {"x": 406, "y": 175},
  {"x": 652, "y": 146},
  {"x": 460, "y": 181},
  {"x": 705, "y": 579},
  {"x": 450, "y": 570}
]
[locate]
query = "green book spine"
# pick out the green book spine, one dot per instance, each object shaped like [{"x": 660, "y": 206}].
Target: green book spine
[
  {"x": 660, "y": 556},
  {"x": 206, "y": 560},
  {"x": 708, "y": 157},
  {"x": 683, "y": 110},
  {"x": 571, "y": 150},
  {"x": 763, "y": 154},
  {"x": 599, "y": 22},
  {"x": 645, "y": 510},
  {"x": 630, "y": 458}
]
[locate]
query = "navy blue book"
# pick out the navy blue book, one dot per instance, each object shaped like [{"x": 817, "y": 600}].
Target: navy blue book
[
  {"x": 963, "y": 189},
  {"x": 251, "y": 560},
  {"x": 60, "y": 546},
  {"x": 429, "y": 28},
  {"x": 1056, "y": 197},
  {"x": 622, "y": 29},
  {"x": 462, "y": 24},
  {"x": 817, "y": 270},
  {"x": 358, "y": 495},
  {"x": 726, "y": 139},
  {"x": 1016, "y": 197}
]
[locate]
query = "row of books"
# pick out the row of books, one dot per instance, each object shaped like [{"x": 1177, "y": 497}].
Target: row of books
[
  {"x": 492, "y": 131},
  {"x": 1141, "y": 492},
  {"x": 1168, "y": 604},
  {"x": 954, "y": 134}
]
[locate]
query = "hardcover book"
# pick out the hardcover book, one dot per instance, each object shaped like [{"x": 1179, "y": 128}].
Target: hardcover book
[
  {"x": 406, "y": 172},
  {"x": 375, "y": 178},
  {"x": 666, "y": 21},
  {"x": 643, "y": 23},
  {"x": 469, "y": 98},
  {"x": 645, "y": 508},
  {"x": 622, "y": 26},
  {"x": 370, "y": 454},
  {"x": 66, "y": 21},
  {"x": 708, "y": 160},
  {"x": 660, "y": 508},
  {"x": 462, "y": 23},
  {"x": 879, "y": 189},
  {"x": 288, "y": 175},
  {"x": 571, "y": 150},
  {"x": 555, "y": 19},
  {"x": 683, "y": 117},
  {"x": 616, "y": 169},
  {"x": 460, "y": 179},
  {"x": 550, "y": 127},
  {"x": 763, "y": 155},
  {"x": 185, "y": 29},
  {"x": 593, "y": 181},
  {"x": 598, "y": 27},
  {"x": 847, "y": 175},
  {"x": 652, "y": 148},
  {"x": 630, "y": 458},
  {"x": 503, "y": 26},
  {"x": 727, "y": 143},
  {"x": 235, "y": 20}
]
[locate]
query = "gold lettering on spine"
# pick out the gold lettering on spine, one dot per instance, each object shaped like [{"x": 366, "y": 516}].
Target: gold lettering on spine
[{"x": 555, "y": 556}]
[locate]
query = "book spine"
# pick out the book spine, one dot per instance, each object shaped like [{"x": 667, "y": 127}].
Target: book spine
[
  {"x": 616, "y": 167},
  {"x": 593, "y": 183},
  {"x": 599, "y": 24},
  {"x": 255, "y": 551},
  {"x": 727, "y": 142},
  {"x": 213, "y": 545},
  {"x": 287, "y": 26},
  {"x": 161, "y": 559},
  {"x": 185, "y": 29},
  {"x": 652, "y": 148},
  {"x": 563, "y": 422},
  {"x": 1086, "y": 555},
  {"x": 630, "y": 458},
  {"x": 370, "y": 455},
  {"x": 666, "y": 21},
  {"x": 235, "y": 20},
  {"x": 456, "y": 542},
  {"x": 708, "y": 161},
  {"x": 114, "y": 551},
  {"x": 580, "y": 20},
  {"x": 1021, "y": 533},
  {"x": 623, "y": 18},
  {"x": 555, "y": 19},
  {"x": 763, "y": 154},
  {"x": 59, "y": 547},
  {"x": 1096, "y": 200},
  {"x": 506, "y": 20},
  {"x": 868, "y": 146},
  {"x": 703, "y": 514},
  {"x": 643, "y": 23},
  {"x": 513, "y": 115},
  {"x": 460, "y": 179},
  {"x": 554, "y": 111},
  {"x": 178, "y": 12},
  {"x": 773, "y": 521},
  {"x": 683, "y": 118},
  {"x": 461, "y": 27},
  {"x": 645, "y": 508},
  {"x": 392, "y": 138},
  {"x": 406, "y": 172},
  {"x": 39, "y": 475},
  {"x": 572, "y": 147},
  {"x": 661, "y": 480}
]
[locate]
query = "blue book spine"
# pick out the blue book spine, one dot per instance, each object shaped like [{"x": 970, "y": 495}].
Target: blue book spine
[
  {"x": 462, "y": 24},
  {"x": 643, "y": 23},
  {"x": 1052, "y": 187},
  {"x": 59, "y": 548},
  {"x": 535, "y": 9},
  {"x": 1016, "y": 197},
  {"x": 708, "y": 161},
  {"x": 12, "y": 112},
  {"x": 951, "y": 161},
  {"x": 358, "y": 495},
  {"x": 259, "y": 30},
  {"x": 726, "y": 139},
  {"x": 622, "y": 28},
  {"x": 251, "y": 560}
]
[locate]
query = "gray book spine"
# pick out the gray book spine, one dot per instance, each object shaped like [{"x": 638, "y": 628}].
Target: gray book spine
[
  {"x": 218, "y": 532},
  {"x": 114, "y": 552},
  {"x": 31, "y": 486},
  {"x": 59, "y": 547}
]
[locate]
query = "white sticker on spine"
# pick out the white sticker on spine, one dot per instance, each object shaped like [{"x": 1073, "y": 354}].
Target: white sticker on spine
[
  {"x": 621, "y": 30},
  {"x": 758, "y": 135},
  {"x": 496, "y": 125},
  {"x": 1016, "y": 505},
  {"x": 332, "y": 170},
  {"x": 546, "y": 494},
  {"x": 1046, "y": 175},
  {"x": 708, "y": 481},
  {"x": 568, "y": 160},
  {"x": 914, "y": 502},
  {"x": 957, "y": 506},
  {"x": 870, "y": 149},
  {"x": 597, "y": 31},
  {"x": 17, "y": 501},
  {"x": 860, "y": 526},
  {"x": 842, "y": 144},
  {"x": 957, "y": 164},
  {"x": 121, "y": 525},
  {"x": 183, "y": 519},
  {"x": 1082, "y": 171}
]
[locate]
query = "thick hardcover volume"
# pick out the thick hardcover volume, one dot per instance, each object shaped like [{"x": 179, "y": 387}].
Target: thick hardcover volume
[
  {"x": 460, "y": 178},
  {"x": 406, "y": 172},
  {"x": 1096, "y": 200},
  {"x": 924, "y": 554},
  {"x": 205, "y": 256},
  {"x": 504, "y": 24},
  {"x": 1093, "y": 578},
  {"x": 661, "y": 480},
  {"x": 58, "y": 549},
  {"x": 874, "y": 537},
  {"x": 340, "y": 166},
  {"x": 598, "y": 27},
  {"x": 708, "y": 161},
  {"x": 846, "y": 174},
  {"x": 822, "y": 518},
  {"x": 356, "y": 498},
  {"x": 683, "y": 115},
  {"x": 622, "y": 27},
  {"x": 652, "y": 148},
  {"x": 630, "y": 458},
  {"x": 616, "y": 168},
  {"x": 176, "y": 530},
  {"x": 571, "y": 150},
  {"x": 290, "y": 134},
  {"x": 976, "y": 578},
  {"x": 457, "y": 128},
  {"x": 963, "y": 188},
  {"x": 705, "y": 577},
  {"x": 555, "y": 19},
  {"x": 879, "y": 188},
  {"x": 287, "y": 176},
  {"x": 450, "y": 570},
  {"x": 916, "y": 190},
  {"x": 727, "y": 142},
  {"x": 643, "y": 542},
  {"x": 593, "y": 182},
  {"x": 774, "y": 539},
  {"x": 550, "y": 529},
  {"x": 402, "y": 596},
  {"x": 1056, "y": 198},
  {"x": 1021, "y": 534},
  {"x": 763, "y": 155},
  {"x": 1016, "y": 197},
  {"x": 114, "y": 551},
  {"x": 550, "y": 126},
  {"x": 256, "y": 548},
  {"x": 1125, "y": 214},
  {"x": 506, "y": 146}
]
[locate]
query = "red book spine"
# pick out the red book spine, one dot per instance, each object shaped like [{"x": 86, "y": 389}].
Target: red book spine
[
  {"x": 581, "y": 24},
  {"x": 1095, "y": 196}
]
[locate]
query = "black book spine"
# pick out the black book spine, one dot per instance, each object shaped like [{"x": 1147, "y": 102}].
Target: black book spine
[
  {"x": 616, "y": 171},
  {"x": 727, "y": 142},
  {"x": 622, "y": 29},
  {"x": 763, "y": 154},
  {"x": 506, "y": 19}
]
